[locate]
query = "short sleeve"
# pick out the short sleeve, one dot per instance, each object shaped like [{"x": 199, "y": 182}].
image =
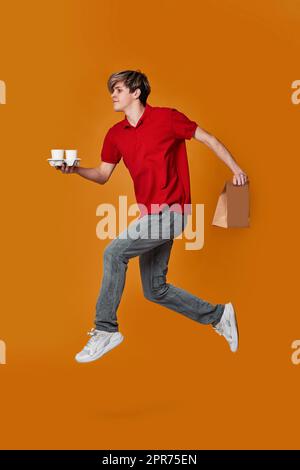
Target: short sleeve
[
  {"x": 110, "y": 152},
  {"x": 182, "y": 126}
]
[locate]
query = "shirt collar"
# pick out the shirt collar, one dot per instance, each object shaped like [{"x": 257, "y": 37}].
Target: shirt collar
[{"x": 144, "y": 116}]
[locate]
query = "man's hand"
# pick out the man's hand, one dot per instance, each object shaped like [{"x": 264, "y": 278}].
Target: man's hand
[
  {"x": 66, "y": 169},
  {"x": 239, "y": 178}
]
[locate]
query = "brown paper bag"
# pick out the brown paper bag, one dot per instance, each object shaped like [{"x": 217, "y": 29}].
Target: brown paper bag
[{"x": 233, "y": 207}]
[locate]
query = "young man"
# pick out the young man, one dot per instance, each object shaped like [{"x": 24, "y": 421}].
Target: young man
[{"x": 151, "y": 141}]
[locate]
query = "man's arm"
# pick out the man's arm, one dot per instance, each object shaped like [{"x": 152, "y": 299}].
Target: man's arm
[
  {"x": 239, "y": 176},
  {"x": 100, "y": 174}
]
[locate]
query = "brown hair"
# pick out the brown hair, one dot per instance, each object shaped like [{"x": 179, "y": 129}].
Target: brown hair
[{"x": 133, "y": 79}]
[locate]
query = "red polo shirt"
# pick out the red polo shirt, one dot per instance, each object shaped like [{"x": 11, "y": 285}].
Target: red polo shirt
[{"x": 154, "y": 152}]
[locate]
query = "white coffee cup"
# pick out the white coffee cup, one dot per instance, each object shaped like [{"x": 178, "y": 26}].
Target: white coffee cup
[
  {"x": 71, "y": 154},
  {"x": 57, "y": 154}
]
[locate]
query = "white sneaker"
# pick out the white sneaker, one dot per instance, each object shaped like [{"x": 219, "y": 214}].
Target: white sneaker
[
  {"x": 100, "y": 343},
  {"x": 227, "y": 327}
]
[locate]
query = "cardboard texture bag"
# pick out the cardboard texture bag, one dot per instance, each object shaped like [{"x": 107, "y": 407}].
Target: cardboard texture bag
[{"x": 233, "y": 208}]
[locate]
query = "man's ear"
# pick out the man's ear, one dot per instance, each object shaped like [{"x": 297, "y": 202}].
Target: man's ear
[{"x": 137, "y": 93}]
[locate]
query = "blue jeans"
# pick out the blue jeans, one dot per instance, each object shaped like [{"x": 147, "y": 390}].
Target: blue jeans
[{"x": 151, "y": 238}]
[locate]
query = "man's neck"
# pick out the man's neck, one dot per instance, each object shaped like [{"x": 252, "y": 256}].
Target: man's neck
[{"x": 134, "y": 113}]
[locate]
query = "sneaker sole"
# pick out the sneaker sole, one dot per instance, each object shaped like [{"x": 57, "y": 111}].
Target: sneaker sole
[
  {"x": 112, "y": 344},
  {"x": 236, "y": 331}
]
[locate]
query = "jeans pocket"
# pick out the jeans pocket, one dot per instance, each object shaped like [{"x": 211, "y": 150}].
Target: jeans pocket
[{"x": 180, "y": 221}]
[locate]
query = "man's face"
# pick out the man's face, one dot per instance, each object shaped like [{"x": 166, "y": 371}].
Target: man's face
[{"x": 121, "y": 96}]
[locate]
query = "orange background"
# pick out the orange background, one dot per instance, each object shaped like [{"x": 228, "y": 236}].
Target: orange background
[{"x": 173, "y": 383}]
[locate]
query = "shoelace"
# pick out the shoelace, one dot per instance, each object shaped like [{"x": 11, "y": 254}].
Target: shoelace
[
  {"x": 220, "y": 329},
  {"x": 94, "y": 337}
]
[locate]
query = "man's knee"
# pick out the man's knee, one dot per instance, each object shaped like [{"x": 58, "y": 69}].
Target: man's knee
[{"x": 157, "y": 289}]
